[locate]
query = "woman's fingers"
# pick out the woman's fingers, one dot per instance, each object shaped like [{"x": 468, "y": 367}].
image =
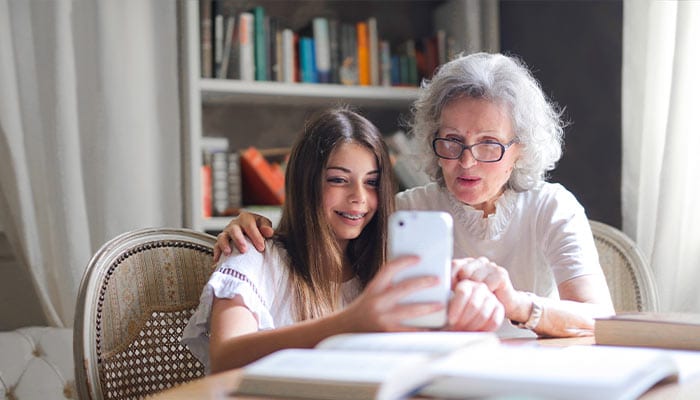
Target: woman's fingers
[{"x": 474, "y": 307}]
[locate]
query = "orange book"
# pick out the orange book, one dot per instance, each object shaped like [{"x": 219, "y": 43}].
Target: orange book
[
  {"x": 263, "y": 183},
  {"x": 363, "y": 71}
]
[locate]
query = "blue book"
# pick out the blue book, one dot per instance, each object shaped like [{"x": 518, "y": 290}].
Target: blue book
[{"x": 307, "y": 60}]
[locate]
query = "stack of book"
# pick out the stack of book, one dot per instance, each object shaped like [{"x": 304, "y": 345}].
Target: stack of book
[
  {"x": 250, "y": 45},
  {"x": 221, "y": 178},
  {"x": 232, "y": 179}
]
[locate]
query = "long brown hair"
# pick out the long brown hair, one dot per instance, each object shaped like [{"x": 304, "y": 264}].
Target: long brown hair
[{"x": 315, "y": 257}]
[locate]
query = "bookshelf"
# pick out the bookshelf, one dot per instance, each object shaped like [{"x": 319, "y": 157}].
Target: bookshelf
[{"x": 269, "y": 114}]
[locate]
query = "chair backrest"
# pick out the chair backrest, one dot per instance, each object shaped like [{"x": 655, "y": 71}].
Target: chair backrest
[
  {"x": 627, "y": 271},
  {"x": 135, "y": 298}
]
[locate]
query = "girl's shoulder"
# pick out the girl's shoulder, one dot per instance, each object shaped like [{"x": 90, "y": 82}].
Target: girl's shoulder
[{"x": 264, "y": 267}]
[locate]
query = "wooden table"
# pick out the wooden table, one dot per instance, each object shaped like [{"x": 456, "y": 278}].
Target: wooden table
[{"x": 220, "y": 386}]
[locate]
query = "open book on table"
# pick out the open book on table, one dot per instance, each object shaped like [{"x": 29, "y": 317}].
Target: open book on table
[
  {"x": 357, "y": 366},
  {"x": 454, "y": 365}
]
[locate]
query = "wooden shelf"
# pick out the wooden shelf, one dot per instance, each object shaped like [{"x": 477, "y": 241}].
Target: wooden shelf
[{"x": 235, "y": 91}]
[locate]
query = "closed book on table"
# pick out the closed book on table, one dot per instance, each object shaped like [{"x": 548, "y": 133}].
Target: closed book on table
[{"x": 650, "y": 329}]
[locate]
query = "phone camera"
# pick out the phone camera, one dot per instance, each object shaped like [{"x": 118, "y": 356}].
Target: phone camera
[{"x": 400, "y": 223}]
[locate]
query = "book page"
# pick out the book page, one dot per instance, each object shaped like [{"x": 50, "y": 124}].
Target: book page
[
  {"x": 335, "y": 365},
  {"x": 576, "y": 372},
  {"x": 418, "y": 342}
]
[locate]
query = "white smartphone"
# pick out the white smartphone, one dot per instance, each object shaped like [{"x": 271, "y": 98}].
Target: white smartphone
[{"x": 427, "y": 234}]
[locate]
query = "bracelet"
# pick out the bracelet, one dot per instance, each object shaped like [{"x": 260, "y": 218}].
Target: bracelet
[{"x": 535, "y": 313}]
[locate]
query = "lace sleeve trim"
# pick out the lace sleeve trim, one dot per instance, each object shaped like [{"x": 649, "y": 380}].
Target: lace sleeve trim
[{"x": 242, "y": 277}]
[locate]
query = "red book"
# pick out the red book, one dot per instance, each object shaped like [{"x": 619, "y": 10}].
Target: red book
[
  {"x": 206, "y": 191},
  {"x": 263, "y": 183}
]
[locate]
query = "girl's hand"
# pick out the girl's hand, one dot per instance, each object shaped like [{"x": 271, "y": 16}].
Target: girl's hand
[
  {"x": 378, "y": 308},
  {"x": 254, "y": 226}
]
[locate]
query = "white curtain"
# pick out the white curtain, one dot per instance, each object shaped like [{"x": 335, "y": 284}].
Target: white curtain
[
  {"x": 89, "y": 133},
  {"x": 661, "y": 143}
]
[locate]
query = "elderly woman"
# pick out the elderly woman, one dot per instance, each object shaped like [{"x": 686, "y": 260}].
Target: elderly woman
[{"x": 489, "y": 136}]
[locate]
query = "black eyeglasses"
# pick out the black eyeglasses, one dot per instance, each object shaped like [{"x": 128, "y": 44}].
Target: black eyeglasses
[{"x": 490, "y": 151}]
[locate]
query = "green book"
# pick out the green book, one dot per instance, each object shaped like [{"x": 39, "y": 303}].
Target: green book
[{"x": 260, "y": 43}]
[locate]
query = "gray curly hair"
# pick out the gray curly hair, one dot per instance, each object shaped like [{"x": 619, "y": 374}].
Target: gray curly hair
[{"x": 503, "y": 80}]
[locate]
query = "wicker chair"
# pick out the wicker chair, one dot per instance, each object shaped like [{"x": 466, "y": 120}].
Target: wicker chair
[
  {"x": 627, "y": 271},
  {"x": 137, "y": 294}
]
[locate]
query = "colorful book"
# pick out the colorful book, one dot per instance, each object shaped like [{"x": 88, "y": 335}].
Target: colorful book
[
  {"x": 246, "y": 47},
  {"x": 363, "y": 67},
  {"x": 307, "y": 60},
  {"x": 322, "y": 49},
  {"x": 260, "y": 41}
]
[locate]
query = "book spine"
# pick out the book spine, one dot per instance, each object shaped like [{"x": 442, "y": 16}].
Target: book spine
[
  {"x": 205, "y": 34},
  {"x": 205, "y": 176},
  {"x": 218, "y": 40},
  {"x": 279, "y": 60},
  {"x": 288, "y": 56},
  {"x": 363, "y": 54},
  {"x": 260, "y": 50},
  {"x": 228, "y": 45},
  {"x": 385, "y": 62},
  {"x": 348, "y": 54},
  {"x": 373, "y": 42},
  {"x": 306, "y": 57},
  {"x": 246, "y": 47},
  {"x": 219, "y": 182},
  {"x": 235, "y": 194},
  {"x": 322, "y": 49},
  {"x": 334, "y": 46}
]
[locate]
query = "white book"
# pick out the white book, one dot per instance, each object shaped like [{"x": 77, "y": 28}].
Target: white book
[
  {"x": 218, "y": 41},
  {"x": 288, "y": 56},
  {"x": 574, "y": 373},
  {"x": 322, "y": 49},
  {"x": 356, "y": 366},
  {"x": 246, "y": 46}
]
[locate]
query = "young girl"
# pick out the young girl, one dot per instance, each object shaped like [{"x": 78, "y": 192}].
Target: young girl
[{"x": 323, "y": 272}]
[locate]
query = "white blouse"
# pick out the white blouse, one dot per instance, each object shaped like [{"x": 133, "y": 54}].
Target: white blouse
[
  {"x": 262, "y": 282},
  {"x": 541, "y": 236}
]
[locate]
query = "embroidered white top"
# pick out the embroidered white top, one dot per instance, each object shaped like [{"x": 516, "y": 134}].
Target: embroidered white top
[
  {"x": 261, "y": 280},
  {"x": 541, "y": 236}
]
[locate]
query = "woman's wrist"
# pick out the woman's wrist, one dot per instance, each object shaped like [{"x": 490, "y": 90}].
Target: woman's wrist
[{"x": 524, "y": 305}]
